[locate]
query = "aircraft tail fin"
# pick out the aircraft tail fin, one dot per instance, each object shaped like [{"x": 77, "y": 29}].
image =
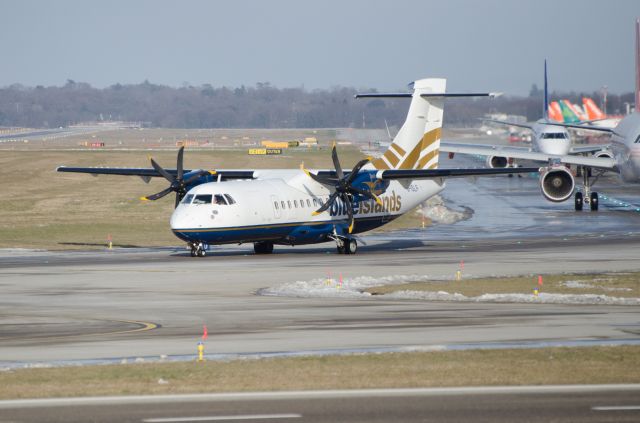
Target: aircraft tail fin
[
  {"x": 545, "y": 105},
  {"x": 417, "y": 143},
  {"x": 638, "y": 65},
  {"x": 592, "y": 109},
  {"x": 554, "y": 112},
  {"x": 568, "y": 114}
]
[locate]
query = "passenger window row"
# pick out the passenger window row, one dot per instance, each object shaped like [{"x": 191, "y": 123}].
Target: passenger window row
[{"x": 316, "y": 203}]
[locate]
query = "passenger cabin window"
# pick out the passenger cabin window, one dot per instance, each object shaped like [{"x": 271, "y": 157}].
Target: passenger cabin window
[
  {"x": 308, "y": 203},
  {"x": 230, "y": 199},
  {"x": 295, "y": 203},
  {"x": 282, "y": 204},
  {"x": 289, "y": 203},
  {"x": 275, "y": 204},
  {"x": 219, "y": 199},
  {"x": 203, "y": 199},
  {"x": 187, "y": 199}
]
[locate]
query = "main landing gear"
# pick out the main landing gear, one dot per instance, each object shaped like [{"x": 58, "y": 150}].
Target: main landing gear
[
  {"x": 263, "y": 247},
  {"x": 198, "y": 249},
  {"x": 588, "y": 196},
  {"x": 346, "y": 245}
]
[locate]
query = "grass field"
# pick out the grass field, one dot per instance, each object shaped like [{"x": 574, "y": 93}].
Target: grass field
[
  {"x": 42, "y": 208},
  {"x": 613, "y": 284},
  {"x": 593, "y": 365}
]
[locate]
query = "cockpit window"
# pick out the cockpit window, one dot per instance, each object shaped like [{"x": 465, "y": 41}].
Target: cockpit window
[
  {"x": 219, "y": 199},
  {"x": 203, "y": 199},
  {"x": 637, "y": 141},
  {"x": 554, "y": 135},
  {"x": 230, "y": 199},
  {"x": 187, "y": 199}
]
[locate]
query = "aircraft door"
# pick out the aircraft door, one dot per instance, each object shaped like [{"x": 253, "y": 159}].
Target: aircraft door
[{"x": 275, "y": 204}]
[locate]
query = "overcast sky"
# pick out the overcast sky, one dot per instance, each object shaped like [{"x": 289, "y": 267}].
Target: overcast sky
[{"x": 477, "y": 45}]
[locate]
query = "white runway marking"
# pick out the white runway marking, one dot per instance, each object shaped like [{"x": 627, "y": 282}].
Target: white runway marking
[
  {"x": 616, "y": 408},
  {"x": 223, "y": 418}
]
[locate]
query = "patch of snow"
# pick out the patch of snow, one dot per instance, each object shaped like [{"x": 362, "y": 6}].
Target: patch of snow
[
  {"x": 436, "y": 210},
  {"x": 354, "y": 287},
  {"x": 585, "y": 285}
]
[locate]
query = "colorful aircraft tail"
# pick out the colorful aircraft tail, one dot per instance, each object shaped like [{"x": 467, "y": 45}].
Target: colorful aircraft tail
[
  {"x": 575, "y": 110},
  {"x": 593, "y": 111},
  {"x": 554, "y": 112},
  {"x": 568, "y": 114},
  {"x": 417, "y": 144}
]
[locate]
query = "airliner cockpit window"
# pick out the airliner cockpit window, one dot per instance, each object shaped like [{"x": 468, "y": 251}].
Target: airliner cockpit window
[
  {"x": 187, "y": 199},
  {"x": 637, "y": 141},
  {"x": 219, "y": 199},
  {"x": 230, "y": 199},
  {"x": 203, "y": 199}
]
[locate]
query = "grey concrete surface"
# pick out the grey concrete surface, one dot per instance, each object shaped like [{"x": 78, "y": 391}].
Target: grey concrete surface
[
  {"x": 152, "y": 302},
  {"x": 538, "y": 404}
]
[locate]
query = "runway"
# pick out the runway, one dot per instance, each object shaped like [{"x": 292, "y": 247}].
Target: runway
[
  {"x": 72, "y": 307},
  {"x": 614, "y": 403}
]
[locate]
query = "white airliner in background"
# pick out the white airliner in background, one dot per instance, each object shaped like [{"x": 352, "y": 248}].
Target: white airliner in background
[
  {"x": 550, "y": 143},
  {"x": 298, "y": 206},
  {"x": 557, "y": 181}
]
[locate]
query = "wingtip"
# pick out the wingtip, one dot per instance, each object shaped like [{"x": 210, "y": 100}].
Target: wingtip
[
  {"x": 144, "y": 199},
  {"x": 315, "y": 213},
  {"x": 212, "y": 172},
  {"x": 351, "y": 228}
]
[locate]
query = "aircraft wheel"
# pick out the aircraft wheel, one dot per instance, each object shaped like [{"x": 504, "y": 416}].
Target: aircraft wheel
[
  {"x": 594, "y": 201},
  {"x": 351, "y": 246},
  {"x": 202, "y": 253},
  {"x": 341, "y": 250},
  {"x": 263, "y": 247},
  {"x": 193, "y": 252},
  {"x": 579, "y": 201}
]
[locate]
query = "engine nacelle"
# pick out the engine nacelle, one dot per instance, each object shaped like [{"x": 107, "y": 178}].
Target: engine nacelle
[
  {"x": 603, "y": 153},
  {"x": 497, "y": 162},
  {"x": 557, "y": 183}
]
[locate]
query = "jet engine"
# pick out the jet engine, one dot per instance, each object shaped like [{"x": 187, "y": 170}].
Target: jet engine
[
  {"x": 603, "y": 153},
  {"x": 498, "y": 162},
  {"x": 557, "y": 183}
]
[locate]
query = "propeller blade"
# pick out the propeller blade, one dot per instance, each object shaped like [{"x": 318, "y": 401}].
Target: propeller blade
[
  {"x": 336, "y": 162},
  {"x": 326, "y": 205},
  {"x": 158, "y": 195},
  {"x": 347, "y": 202},
  {"x": 179, "y": 163},
  {"x": 319, "y": 179},
  {"x": 356, "y": 169},
  {"x": 367, "y": 194},
  {"x": 169, "y": 177}
]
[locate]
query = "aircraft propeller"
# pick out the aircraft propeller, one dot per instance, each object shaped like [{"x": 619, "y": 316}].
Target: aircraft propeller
[
  {"x": 342, "y": 186},
  {"x": 178, "y": 183}
]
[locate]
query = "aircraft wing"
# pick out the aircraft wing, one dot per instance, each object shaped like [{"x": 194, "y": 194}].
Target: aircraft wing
[
  {"x": 605, "y": 163},
  {"x": 589, "y": 148},
  {"x": 151, "y": 172},
  {"x": 450, "y": 173}
]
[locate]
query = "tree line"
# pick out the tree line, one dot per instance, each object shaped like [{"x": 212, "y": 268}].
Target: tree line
[{"x": 259, "y": 106}]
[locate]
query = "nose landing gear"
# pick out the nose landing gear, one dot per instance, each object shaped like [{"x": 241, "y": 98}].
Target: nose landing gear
[{"x": 198, "y": 249}]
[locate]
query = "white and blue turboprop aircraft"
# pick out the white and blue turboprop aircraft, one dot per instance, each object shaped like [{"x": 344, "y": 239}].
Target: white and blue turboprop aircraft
[{"x": 300, "y": 206}]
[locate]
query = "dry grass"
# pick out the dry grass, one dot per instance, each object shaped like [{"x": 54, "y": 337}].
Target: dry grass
[
  {"x": 612, "y": 284},
  {"x": 457, "y": 368},
  {"x": 42, "y": 208}
]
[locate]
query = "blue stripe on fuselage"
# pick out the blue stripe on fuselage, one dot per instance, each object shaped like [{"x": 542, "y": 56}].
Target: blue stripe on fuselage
[{"x": 288, "y": 233}]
